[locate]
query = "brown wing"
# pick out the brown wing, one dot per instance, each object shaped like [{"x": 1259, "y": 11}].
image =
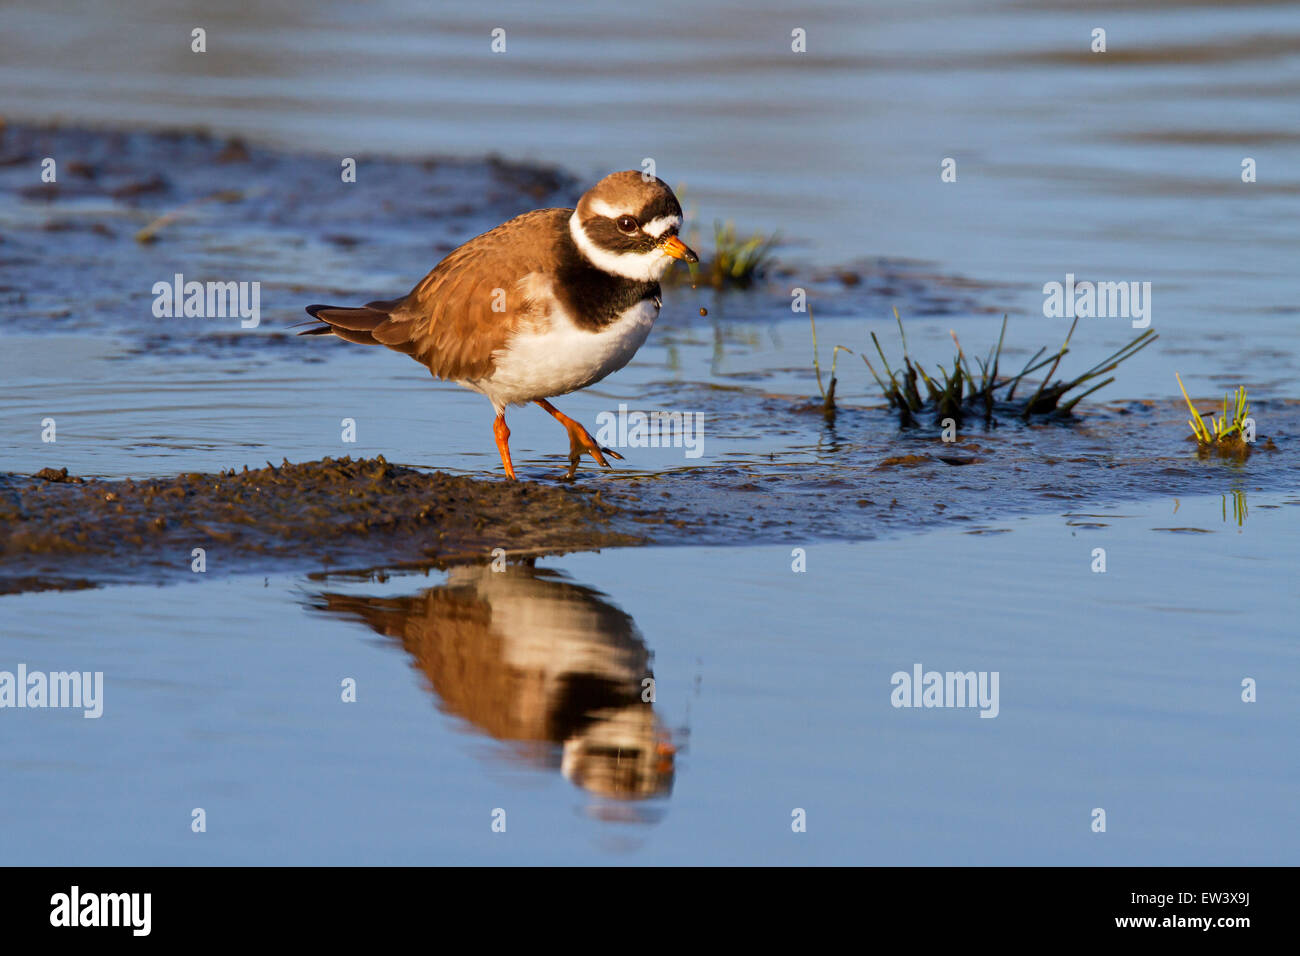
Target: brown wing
[{"x": 466, "y": 308}]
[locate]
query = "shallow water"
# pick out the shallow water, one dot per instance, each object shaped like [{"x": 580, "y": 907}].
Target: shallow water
[
  {"x": 1117, "y": 166},
  {"x": 1118, "y": 690}
]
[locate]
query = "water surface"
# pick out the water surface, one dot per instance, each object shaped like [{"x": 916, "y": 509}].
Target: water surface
[
  {"x": 521, "y": 690},
  {"x": 1119, "y": 690}
]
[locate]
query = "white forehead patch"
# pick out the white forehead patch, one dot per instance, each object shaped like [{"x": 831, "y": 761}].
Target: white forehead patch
[
  {"x": 602, "y": 208},
  {"x": 657, "y": 227}
]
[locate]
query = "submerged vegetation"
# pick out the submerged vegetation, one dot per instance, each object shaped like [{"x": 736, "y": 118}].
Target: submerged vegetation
[
  {"x": 956, "y": 391},
  {"x": 1226, "y": 434},
  {"x": 828, "y": 394}
]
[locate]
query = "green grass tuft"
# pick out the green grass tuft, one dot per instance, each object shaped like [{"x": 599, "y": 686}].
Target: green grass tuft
[
  {"x": 961, "y": 391},
  {"x": 828, "y": 394},
  {"x": 1228, "y": 430}
]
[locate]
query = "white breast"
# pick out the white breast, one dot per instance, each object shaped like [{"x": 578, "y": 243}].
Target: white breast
[{"x": 555, "y": 356}]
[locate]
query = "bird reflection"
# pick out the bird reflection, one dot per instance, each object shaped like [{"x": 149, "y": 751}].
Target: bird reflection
[{"x": 531, "y": 658}]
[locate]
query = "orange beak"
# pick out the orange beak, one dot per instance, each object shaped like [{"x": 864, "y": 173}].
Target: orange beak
[{"x": 678, "y": 250}]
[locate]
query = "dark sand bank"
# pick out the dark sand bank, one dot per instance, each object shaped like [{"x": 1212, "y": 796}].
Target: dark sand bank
[
  {"x": 869, "y": 480},
  {"x": 61, "y": 531}
]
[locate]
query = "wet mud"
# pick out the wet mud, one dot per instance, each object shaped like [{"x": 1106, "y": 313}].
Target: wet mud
[
  {"x": 58, "y": 531},
  {"x": 860, "y": 478},
  {"x": 864, "y": 477}
]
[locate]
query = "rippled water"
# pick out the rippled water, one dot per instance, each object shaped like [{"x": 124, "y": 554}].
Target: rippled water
[
  {"x": 521, "y": 691},
  {"x": 1120, "y": 166}
]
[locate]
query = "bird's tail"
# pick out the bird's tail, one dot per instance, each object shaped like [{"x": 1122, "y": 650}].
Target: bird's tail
[{"x": 353, "y": 325}]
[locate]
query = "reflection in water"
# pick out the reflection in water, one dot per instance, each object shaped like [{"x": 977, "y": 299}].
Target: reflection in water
[
  {"x": 1239, "y": 509},
  {"x": 528, "y": 657}
]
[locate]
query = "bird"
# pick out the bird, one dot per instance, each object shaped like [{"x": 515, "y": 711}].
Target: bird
[{"x": 547, "y": 303}]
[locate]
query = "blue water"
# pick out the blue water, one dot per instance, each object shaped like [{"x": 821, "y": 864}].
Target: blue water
[
  {"x": 1119, "y": 691},
  {"x": 1119, "y": 166}
]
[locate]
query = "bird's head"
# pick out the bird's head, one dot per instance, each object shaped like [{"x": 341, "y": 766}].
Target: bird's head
[{"x": 627, "y": 225}]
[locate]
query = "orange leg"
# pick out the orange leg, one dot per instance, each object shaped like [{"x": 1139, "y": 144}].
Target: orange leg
[
  {"x": 503, "y": 444},
  {"x": 579, "y": 440}
]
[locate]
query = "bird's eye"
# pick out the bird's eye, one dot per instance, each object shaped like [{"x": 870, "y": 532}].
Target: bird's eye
[{"x": 627, "y": 224}]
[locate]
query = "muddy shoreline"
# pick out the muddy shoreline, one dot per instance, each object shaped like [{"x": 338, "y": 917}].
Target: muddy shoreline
[{"x": 59, "y": 531}]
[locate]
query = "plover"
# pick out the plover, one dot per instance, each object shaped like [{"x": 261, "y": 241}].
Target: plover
[{"x": 545, "y": 304}]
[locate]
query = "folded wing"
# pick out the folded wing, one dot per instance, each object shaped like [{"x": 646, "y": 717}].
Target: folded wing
[{"x": 462, "y": 313}]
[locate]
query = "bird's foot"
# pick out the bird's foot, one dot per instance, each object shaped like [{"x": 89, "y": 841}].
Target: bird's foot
[{"x": 580, "y": 443}]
